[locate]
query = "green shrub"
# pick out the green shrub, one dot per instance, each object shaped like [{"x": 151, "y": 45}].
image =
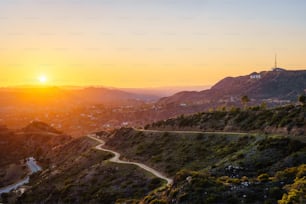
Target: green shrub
[{"x": 263, "y": 177}]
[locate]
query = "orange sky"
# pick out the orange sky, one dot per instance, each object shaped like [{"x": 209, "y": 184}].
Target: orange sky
[{"x": 144, "y": 44}]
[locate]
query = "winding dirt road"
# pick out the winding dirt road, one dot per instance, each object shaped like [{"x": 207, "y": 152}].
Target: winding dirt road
[{"x": 116, "y": 159}]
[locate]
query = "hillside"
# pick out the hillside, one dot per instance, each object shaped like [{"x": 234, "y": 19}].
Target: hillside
[
  {"x": 37, "y": 126},
  {"x": 281, "y": 120},
  {"x": 218, "y": 167},
  {"x": 17, "y": 145},
  {"x": 78, "y": 173},
  {"x": 280, "y": 85},
  {"x": 213, "y": 157}
]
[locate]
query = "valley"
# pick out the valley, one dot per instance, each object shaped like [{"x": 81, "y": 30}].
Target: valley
[{"x": 237, "y": 153}]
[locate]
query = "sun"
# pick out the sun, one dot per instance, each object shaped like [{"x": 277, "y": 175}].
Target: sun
[{"x": 42, "y": 79}]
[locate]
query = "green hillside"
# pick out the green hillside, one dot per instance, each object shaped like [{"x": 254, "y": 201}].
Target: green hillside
[
  {"x": 288, "y": 120},
  {"x": 255, "y": 155},
  {"x": 220, "y": 165},
  {"x": 78, "y": 173}
]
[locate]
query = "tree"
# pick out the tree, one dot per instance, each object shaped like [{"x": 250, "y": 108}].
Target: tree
[
  {"x": 302, "y": 99},
  {"x": 245, "y": 100},
  {"x": 263, "y": 106}
]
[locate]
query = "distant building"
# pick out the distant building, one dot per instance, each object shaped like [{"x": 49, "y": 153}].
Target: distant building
[{"x": 255, "y": 75}]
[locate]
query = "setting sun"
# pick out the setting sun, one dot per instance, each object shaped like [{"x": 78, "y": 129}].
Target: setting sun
[{"x": 42, "y": 79}]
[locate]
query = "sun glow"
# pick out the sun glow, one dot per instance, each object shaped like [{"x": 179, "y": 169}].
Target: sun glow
[{"x": 42, "y": 79}]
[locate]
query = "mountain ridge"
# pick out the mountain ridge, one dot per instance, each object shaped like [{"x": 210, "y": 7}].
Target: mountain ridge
[{"x": 277, "y": 84}]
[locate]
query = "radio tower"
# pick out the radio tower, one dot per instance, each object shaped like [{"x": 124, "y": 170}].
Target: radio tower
[{"x": 275, "y": 61}]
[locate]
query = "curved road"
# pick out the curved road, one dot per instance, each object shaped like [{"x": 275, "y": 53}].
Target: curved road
[
  {"x": 33, "y": 167},
  {"x": 116, "y": 159},
  {"x": 193, "y": 132}
]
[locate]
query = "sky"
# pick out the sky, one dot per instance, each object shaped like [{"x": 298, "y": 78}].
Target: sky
[{"x": 147, "y": 43}]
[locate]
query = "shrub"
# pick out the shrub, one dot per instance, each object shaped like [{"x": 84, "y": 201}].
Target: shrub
[{"x": 263, "y": 177}]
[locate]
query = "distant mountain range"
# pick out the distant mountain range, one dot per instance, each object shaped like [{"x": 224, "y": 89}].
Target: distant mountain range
[
  {"x": 29, "y": 96},
  {"x": 278, "y": 84},
  {"x": 164, "y": 91}
]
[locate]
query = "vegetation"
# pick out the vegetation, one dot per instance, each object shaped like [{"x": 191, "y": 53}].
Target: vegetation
[
  {"x": 79, "y": 175},
  {"x": 197, "y": 187},
  {"x": 92, "y": 180},
  {"x": 245, "y": 100},
  {"x": 15, "y": 146},
  {"x": 288, "y": 120},
  {"x": 207, "y": 167},
  {"x": 218, "y": 167},
  {"x": 302, "y": 99}
]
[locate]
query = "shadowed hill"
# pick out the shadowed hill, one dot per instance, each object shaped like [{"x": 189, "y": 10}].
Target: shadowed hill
[
  {"x": 282, "y": 85},
  {"x": 37, "y": 139},
  {"x": 37, "y": 126},
  {"x": 81, "y": 174}
]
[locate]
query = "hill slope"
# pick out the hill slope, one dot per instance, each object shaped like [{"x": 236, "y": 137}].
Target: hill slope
[
  {"x": 36, "y": 140},
  {"x": 217, "y": 167},
  {"x": 282, "y": 120},
  {"x": 78, "y": 173},
  {"x": 282, "y": 85}
]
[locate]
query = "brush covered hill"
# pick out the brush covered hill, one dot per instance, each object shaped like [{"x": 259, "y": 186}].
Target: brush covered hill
[
  {"x": 78, "y": 173},
  {"x": 38, "y": 126},
  {"x": 277, "y": 84},
  {"x": 288, "y": 120},
  {"x": 37, "y": 139},
  {"x": 218, "y": 167},
  {"x": 17, "y": 145}
]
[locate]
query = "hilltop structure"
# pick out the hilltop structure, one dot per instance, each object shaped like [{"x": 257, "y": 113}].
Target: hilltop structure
[{"x": 276, "y": 68}]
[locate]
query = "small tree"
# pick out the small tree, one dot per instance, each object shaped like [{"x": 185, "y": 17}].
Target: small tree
[
  {"x": 263, "y": 106},
  {"x": 245, "y": 100},
  {"x": 263, "y": 177},
  {"x": 302, "y": 99}
]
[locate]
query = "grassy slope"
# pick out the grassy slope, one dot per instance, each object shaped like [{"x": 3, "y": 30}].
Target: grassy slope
[
  {"x": 86, "y": 176},
  {"x": 172, "y": 152},
  {"x": 285, "y": 120},
  {"x": 15, "y": 146},
  {"x": 220, "y": 163}
]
